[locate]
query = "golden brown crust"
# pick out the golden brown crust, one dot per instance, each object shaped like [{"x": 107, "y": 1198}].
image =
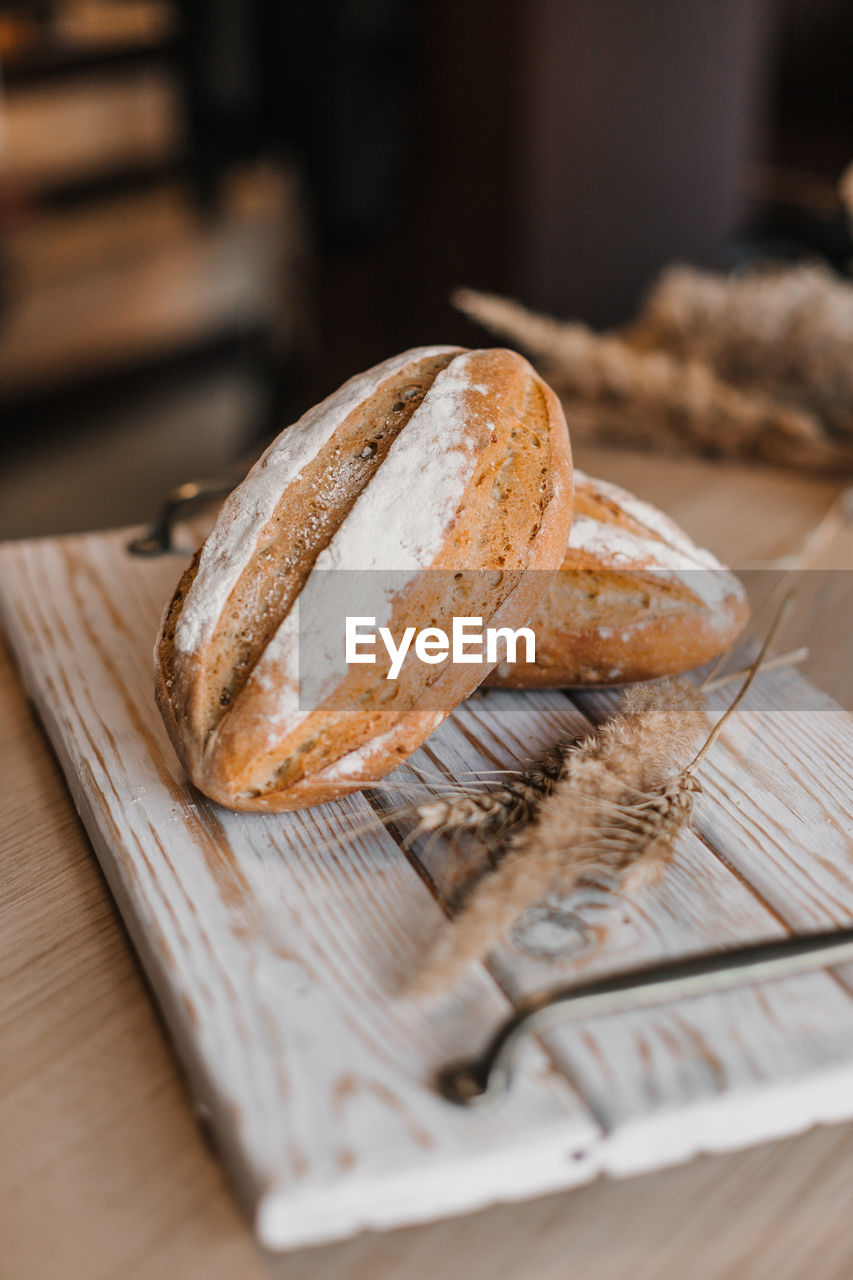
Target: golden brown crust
[
  {"x": 634, "y": 600},
  {"x": 494, "y": 495}
]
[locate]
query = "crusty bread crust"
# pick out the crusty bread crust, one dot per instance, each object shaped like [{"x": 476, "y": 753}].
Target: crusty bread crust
[
  {"x": 635, "y": 599},
  {"x": 450, "y": 466}
]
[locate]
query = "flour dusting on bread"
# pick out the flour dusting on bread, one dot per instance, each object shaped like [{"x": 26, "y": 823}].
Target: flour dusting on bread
[
  {"x": 641, "y": 537},
  {"x": 402, "y": 518},
  {"x": 252, "y": 504}
]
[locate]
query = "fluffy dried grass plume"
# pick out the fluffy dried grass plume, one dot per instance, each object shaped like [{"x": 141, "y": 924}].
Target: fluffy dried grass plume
[
  {"x": 621, "y": 797},
  {"x": 619, "y": 801},
  {"x": 786, "y": 332},
  {"x": 657, "y": 386}
]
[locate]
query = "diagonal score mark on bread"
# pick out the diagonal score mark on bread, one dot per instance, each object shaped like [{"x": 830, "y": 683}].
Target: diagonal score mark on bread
[
  {"x": 655, "y": 580},
  {"x": 303, "y": 524},
  {"x": 362, "y": 419}
]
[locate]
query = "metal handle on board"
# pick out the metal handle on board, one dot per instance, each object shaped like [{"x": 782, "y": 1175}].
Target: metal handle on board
[
  {"x": 158, "y": 540},
  {"x": 489, "y": 1073}
]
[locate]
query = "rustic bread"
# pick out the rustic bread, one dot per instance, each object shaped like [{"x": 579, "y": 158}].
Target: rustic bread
[
  {"x": 635, "y": 599},
  {"x": 438, "y": 459}
]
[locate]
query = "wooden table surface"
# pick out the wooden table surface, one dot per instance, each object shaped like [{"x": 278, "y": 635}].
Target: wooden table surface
[{"x": 105, "y": 1173}]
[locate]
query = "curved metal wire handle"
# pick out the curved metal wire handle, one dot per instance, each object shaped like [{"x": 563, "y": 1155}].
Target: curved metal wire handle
[
  {"x": 490, "y": 1073},
  {"x": 158, "y": 540}
]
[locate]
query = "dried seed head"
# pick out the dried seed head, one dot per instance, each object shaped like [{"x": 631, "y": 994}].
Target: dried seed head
[{"x": 620, "y": 798}]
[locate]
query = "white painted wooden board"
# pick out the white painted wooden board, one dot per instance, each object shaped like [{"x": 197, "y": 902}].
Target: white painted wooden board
[{"x": 277, "y": 958}]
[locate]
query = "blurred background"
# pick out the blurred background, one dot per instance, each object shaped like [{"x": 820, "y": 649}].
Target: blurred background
[{"x": 214, "y": 211}]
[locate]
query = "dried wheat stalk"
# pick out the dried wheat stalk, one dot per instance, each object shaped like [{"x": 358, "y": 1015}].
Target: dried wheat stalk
[
  {"x": 625, "y": 394},
  {"x": 786, "y": 332},
  {"x": 621, "y": 798},
  {"x": 495, "y": 812},
  {"x": 611, "y": 805}
]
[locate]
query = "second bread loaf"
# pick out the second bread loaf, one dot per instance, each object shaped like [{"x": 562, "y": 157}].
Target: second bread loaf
[{"x": 635, "y": 599}]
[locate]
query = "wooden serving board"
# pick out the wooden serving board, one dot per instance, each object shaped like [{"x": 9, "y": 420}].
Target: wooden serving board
[{"x": 276, "y": 945}]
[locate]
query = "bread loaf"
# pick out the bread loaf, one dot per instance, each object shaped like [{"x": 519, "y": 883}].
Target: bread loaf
[
  {"x": 635, "y": 599},
  {"x": 437, "y": 460}
]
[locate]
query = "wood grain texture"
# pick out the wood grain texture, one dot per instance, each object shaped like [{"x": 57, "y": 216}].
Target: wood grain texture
[
  {"x": 97, "y": 1124},
  {"x": 278, "y": 954},
  {"x": 98, "y": 1128},
  {"x": 275, "y": 962}
]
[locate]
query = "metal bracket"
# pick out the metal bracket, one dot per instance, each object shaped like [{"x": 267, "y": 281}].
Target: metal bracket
[{"x": 158, "y": 540}]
